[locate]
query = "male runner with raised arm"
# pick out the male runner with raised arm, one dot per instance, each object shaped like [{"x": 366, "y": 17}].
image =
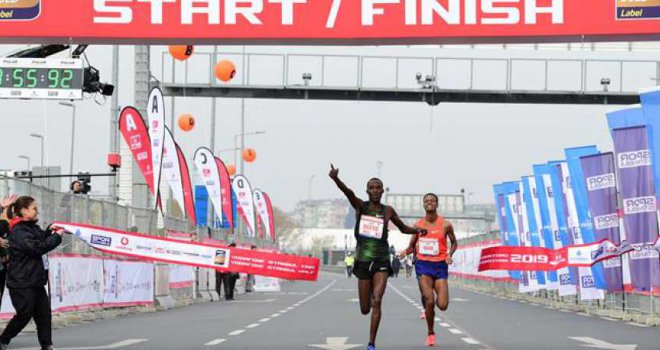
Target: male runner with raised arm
[{"x": 372, "y": 255}]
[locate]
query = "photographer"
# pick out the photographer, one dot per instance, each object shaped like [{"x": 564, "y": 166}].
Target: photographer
[{"x": 27, "y": 272}]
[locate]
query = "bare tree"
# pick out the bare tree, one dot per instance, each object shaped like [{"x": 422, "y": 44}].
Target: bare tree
[{"x": 288, "y": 230}]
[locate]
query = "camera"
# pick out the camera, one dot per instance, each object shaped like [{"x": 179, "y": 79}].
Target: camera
[{"x": 92, "y": 83}]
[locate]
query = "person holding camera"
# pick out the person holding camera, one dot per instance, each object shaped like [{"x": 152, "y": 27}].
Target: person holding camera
[{"x": 27, "y": 273}]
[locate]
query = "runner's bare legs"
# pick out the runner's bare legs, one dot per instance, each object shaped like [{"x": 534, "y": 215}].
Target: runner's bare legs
[{"x": 379, "y": 284}]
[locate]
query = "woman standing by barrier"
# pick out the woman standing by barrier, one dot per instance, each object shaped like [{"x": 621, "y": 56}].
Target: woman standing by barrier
[{"x": 27, "y": 272}]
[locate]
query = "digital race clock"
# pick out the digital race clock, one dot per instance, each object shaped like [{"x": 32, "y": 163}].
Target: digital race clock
[{"x": 38, "y": 78}]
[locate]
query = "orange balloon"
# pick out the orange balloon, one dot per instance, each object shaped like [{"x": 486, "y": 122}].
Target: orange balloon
[
  {"x": 249, "y": 155},
  {"x": 181, "y": 52},
  {"x": 186, "y": 122},
  {"x": 225, "y": 70},
  {"x": 231, "y": 169}
]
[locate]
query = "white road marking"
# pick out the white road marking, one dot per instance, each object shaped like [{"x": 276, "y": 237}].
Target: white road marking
[
  {"x": 459, "y": 299},
  {"x": 290, "y": 308},
  {"x": 600, "y": 344},
  {"x": 354, "y": 300},
  {"x": 117, "y": 345},
  {"x": 264, "y": 320},
  {"x": 455, "y": 331},
  {"x": 253, "y": 325},
  {"x": 284, "y": 311},
  {"x": 608, "y": 319},
  {"x": 638, "y": 324},
  {"x": 253, "y": 301},
  {"x": 335, "y": 343},
  {"x": 583, "y": 314},
  {"x": 444, "y": 324},
  {"x": 237, "y": 332},
  {"x": 277, "y": 314},
  {"x": 438, "y": 319},
  {"x": 215, "y": 342},
  {"x": 470, "y": 341},
  {"x": 564, "y": 310}
]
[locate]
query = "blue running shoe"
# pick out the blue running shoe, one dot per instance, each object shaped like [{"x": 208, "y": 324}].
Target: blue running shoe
[{"x": 371, "y": 347}]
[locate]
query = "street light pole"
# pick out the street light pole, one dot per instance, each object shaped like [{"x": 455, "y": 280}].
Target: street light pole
[
  {"x": 73, "y": 132},
  {"x": 41, "y": 138}
]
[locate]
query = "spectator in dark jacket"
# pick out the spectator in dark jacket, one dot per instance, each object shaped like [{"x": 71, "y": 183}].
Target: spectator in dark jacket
[
  {"x": 27, "y": 272},
  {"x": 7, "y": 202}
]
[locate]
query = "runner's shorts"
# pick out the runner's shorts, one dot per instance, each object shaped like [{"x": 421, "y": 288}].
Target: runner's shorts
[
  {"x": 437, "y": 270},
  {"x": 365, "y": 270}
]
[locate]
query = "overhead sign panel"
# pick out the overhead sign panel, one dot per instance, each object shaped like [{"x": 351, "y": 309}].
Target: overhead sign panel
[{"x": 331, "y": 21}]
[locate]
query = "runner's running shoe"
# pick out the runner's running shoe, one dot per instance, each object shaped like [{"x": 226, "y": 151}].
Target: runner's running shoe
[
  {"x": 423, "y": 315},
  {"x": 430, "y": 340},
  {"x": 371, "y": 347}
]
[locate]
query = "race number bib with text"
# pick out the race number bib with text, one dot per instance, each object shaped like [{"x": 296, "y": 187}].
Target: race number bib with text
[
  {"x": 371, "y": 226},
  {"x": 429, "y": 246}
]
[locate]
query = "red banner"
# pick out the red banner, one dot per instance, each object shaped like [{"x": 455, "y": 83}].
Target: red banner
[
  {"x": 188, "y": 195},
  {"x": 225, "y": 192},
  {"x": 134, "y": 131},
  {"x": 329, "y": 21},
  {"x": 544, "y": 259},
  {"x": 271, "y": 221},
  {"x": 174, "y": 251}
]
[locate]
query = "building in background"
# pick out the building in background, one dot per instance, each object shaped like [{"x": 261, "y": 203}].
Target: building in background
[{"x": 322, "y": 213}]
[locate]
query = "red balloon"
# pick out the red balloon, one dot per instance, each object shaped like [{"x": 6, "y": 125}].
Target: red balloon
[
  {"x": 231, "y": 169},
  {"x": 225, "y": 70},
  {"x": 181, "y": 52},
  {"x": 249, "y": 155},
  {"x": 186, "y": 122}
]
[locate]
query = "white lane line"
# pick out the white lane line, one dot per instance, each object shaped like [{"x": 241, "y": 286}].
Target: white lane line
[
  {"x": 455, "y": 331},
  {"x": 444, "y": 324},
  {"x": 470, "y": 341},
  {"x": 284, "y": 311},
  {"x": 237, "y": 332},
  {"x": 608, "y": 319},
  {"x": 564, "y": 310},
  {"x": 215, "y": 342},
  {"x": 638, "y": 324},
  {"x": 583, "y": 314},
  {"x": 277, "y": 314},
  {"x": 253, "y": 325},
  {"x": 438, "y": 319},
  {"x": 534, "y": 304},
  {"x": 264, "y": 319},
  {"x": 119, "y": 344}
]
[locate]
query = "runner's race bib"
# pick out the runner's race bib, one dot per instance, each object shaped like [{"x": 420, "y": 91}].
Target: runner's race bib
[
  {"x": 371, "y": 226},
  {"x": 429, "y": 246}
]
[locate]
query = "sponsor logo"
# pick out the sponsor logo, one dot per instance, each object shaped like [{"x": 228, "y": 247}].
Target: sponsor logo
[
  {"x": 168, "y": 165},
  {"x": 101, "y": 240},
  {"x": 588, "y": 282},
  {"x": 206, "y": 256},
  {"x": 210, "y": 183},
  {"x": 159, "y": 250},
  {"x": 124, "y": 241},
  {"x": 634, "y": 159},
  {"x": 637, "y": 9},
  {"x": 606, "y": 221},
  {"x": 639, "y": 205},
  {"x": 144, "y": 247},
  {"x": 191, "y": 254},
  {"x": 155, "y": 143},
  {"x": 564, "y": 279},
  {"x": 576, "y": 233},
  {"x": 136, "y": 142},
  {"x": 154, "y": 124},
  {"x": 548, "y": 190},
  {"x": 206, "y": 172},
  {"x": 19, "y": 10},
  {"x": 600, "y": 182},
  {"x": 142, "y": 156},
  {"x": 220, "y": 257},
  {"x": 557, "y": 236}
]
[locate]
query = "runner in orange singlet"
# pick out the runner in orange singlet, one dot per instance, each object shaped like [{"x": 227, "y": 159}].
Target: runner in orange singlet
[{"x": 433, "y": 261}]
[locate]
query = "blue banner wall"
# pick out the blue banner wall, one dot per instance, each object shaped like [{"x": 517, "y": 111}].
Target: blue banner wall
[
  {"x": 567, "y": 279},
  {"x": 543, "y": 189},
  {"x": 587, "y": 233},
  {"x": 534, "y": 231},
  {"x": 627, "y": 117},
  {"x": 509, "y": 190}
]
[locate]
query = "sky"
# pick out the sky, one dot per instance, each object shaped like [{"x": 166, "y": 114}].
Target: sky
[{"x": 414, "y": 148}]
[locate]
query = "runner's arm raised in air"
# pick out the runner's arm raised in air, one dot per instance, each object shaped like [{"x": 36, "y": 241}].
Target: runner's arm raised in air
[
  {"x": 352, "y": 198},
  {"x": 394, "y": 217},
  {"x": 449, "y": 231}
]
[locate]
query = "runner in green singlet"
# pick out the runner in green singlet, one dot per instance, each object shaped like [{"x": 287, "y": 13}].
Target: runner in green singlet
[{"x": 372, "y": 254}]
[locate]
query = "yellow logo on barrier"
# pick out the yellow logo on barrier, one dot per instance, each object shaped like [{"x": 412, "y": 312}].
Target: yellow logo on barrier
[
  {"x": 19, "y": 10},
  {"x": 637, "y": 9}
]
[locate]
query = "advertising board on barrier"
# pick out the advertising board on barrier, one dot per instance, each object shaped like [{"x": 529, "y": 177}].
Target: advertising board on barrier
[{"x": 152, "y": 248}]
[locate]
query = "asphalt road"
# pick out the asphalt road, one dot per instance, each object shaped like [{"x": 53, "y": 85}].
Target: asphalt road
[{"x": 325, "y": 315}]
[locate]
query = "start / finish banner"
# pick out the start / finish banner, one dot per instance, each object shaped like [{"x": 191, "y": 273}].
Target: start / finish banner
[
  {"x": 174, "y": 251},
  {"x": 327, "y": 21}
]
